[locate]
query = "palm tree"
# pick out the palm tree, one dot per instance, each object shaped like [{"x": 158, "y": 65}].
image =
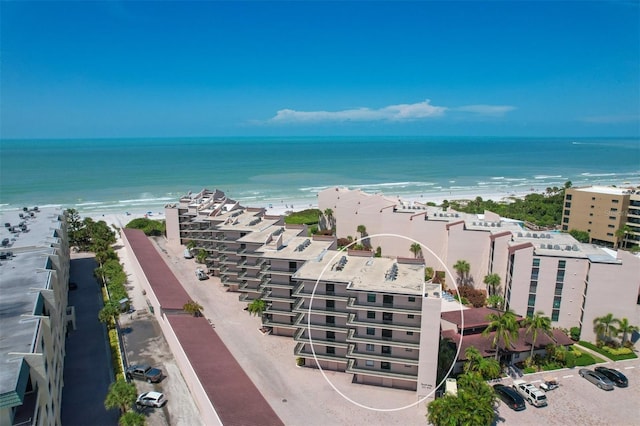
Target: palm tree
[
  {"x": 193, "y": 308},
  {"x": 416, "y": 249},
  {"x": 625, "y": 328},
  {"x": 493, "y": 283},
  {"x": 505, "y": 325},
  {"x": 476, "y": 363},
  {"x": 495, "y": 301},
  {"x": 362, "y": 230},
  {"x": 535, "y": 324},
  {"x": 257, "y": 307},
  {"x": 329, "y": 215},
  {"x": 604, "y": 328},
  {"x": 121, "y": 395},
  {"x": 202, "y": 256},
  {"x": 621, "y": 233},
  {"x": 462, "y": 267}
]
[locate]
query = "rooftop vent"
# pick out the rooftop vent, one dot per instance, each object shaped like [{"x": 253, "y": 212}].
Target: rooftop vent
[
  {"x": 341, "y": 263},
  {"x": 392, "y": 273},
  {"x": 303, "y": 245}
]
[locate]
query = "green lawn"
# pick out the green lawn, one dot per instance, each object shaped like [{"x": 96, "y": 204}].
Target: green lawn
[
  {"x": 606, "y": 353},
  {"x": 306, "y": 217}
]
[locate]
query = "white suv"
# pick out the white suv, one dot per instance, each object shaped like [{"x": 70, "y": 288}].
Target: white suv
[
  {"x": 530, "y": 393},
  {"x": 151, "y": 399}
]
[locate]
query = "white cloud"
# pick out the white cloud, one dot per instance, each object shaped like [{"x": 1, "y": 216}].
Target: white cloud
[
  {"x": 401, "y": 112},
  {"x": 493, "y": 110}
]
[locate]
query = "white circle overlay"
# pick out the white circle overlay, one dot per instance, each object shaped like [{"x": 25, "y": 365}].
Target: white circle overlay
[{"x": 341, "y": 252}]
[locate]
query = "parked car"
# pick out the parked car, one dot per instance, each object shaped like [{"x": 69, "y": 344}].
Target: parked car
[
  {"x": 530, "y": 393},
  {"x": 151, "y": 399},
  {"x": 598, "y": 379},
  {"x": 510, "y": 397},
  {"x": 144, "y": 372},
  {"x": 618, "y": 379}
]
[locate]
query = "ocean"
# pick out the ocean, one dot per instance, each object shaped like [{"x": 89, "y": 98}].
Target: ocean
[{"x": 140, "y": 175}]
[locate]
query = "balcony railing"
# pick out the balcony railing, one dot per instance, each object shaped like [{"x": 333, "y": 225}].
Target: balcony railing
[
  {"x": 354, "y": 337},
  {"x": 354, "y": 322},
  {"x": 300, "y": 291},
  {"x": 370, "y": 371},
  {"x": 352, "y": 353},
  {"x": 316, "y": 308},
  {"x": 301, "y": 336},
  {"x": 302, "y": 351},
  {"x": 354, "y": 304}
]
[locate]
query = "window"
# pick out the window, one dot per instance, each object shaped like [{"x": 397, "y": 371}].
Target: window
[
  {"x": 562, "y": 264},
  {"x": 534, "y": 273},
  {"x": 370, "y": 347},
  {"x": 555, "y": 314},
  {"x": 387, "y": 300},
  {"x": 386, "y": 350},
  {"x": 611, "y": 226},
  {"x": 330, "y": 304},
  {"x": 331, "y": 335},
  {"x": 565, "y": 227},
  {"x": 567, "y": 212},
  {"x": 533, "y": 286},
  {"x": 613, "y": 209},
  {"x": 410, "y": 316},
  {"x": 387, "y": 317},
  {"x": 331, "y": 319},
  {"x": 530, "y": 311},
  {"x": 371, "y": 298},
  {"x": 368, "y": 363},
  {"x": 371, "y": 314},
  {"x": 536, "y": 262},
  {"x": 532, "y": 300},
  {"x": 292, "y": 266},
  {"x": 567, "y": 205},
  {"x": 331, "y": 350},
  {"x": 330, "y": 288},
  {"x": 615, "y": 201},
  {"x": 590, "y": 214},
  {"x": 385, "y": 365},
  {"x": 560, "y": 275},
  {"x": 558, "y": 291},
  {"x": 612, "y": 218},
  {"x": 371, "y": 331},
  {"x": 409, "y": 333},
  {"x": 609, "y": 234},
  {"x": 556, "y": 302},
  {"x": 387, "y": 334},
  {"x": 568, "y": 197},
  {"x": 565, "y": 220},
  {"x": 412, "y": 299}
]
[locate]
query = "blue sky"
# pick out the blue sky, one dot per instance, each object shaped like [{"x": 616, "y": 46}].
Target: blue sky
[{"x": 147, "y": 69}]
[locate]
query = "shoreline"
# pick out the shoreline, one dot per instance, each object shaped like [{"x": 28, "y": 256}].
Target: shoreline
[{"x": 283, "y": 207}]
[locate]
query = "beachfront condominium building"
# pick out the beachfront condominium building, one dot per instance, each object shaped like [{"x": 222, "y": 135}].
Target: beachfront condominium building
[
  {"x": 610, "y": 215},
  {"x": 546, "y": 271},
  {"x": 375, "y": 318},
  {"x": 34, "y": 274},
  {"x": 262, "y": 258}
]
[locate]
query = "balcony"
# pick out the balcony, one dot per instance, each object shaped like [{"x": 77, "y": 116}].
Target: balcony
[
  {"x": 352, "y": 353},
  {"x": 353, "y": 322},
  {"x": 353, "y": 337},
  {"x": 300, "y": 351},
  {"x": 370, "y": 371},
  {"x": 301, "y": 336},
  {"x": 301, "y": 322},
  {"x": 318, "y": 309},
  {"x": 271, "y": 298},
  {"x": 279, "y": 311},
  {"x": 353, "y": 304},
  {"x": 300, "y": 291}
]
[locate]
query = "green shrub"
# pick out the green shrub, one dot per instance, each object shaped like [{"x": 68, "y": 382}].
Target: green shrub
[
  {"x": 150, "y": 227},
  {"x": 570, "y": 360},
  {"x": 605, "y": 352},
  {"x": 529, "y": 370},
  {"x": 304, "y": 217},
  {"x": 575, "y": 333},
  {"x": 619, "y": 351}
]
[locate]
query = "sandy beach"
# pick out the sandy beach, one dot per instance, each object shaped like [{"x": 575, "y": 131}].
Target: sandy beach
[{"x": 283, "y": 207}]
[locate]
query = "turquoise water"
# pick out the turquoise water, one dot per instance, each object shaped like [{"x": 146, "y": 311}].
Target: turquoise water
[{"x": 104, "y": 175}]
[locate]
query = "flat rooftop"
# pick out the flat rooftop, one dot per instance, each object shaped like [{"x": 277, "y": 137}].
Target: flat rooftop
[
  {"x": 296, "y": 248},
  {"x": 22, "y": 276},
  {"x": 609, "y": 190},
  {"x": 378, "y": 274}
]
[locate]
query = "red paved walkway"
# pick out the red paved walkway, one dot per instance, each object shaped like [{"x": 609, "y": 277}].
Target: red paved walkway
[{"x": 234, "y": 396}]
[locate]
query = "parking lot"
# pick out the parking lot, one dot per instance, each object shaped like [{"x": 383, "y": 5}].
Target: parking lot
[{"x": 580, "y": 402}]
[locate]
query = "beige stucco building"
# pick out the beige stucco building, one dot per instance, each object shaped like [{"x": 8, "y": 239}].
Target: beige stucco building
[
  {"x": 34, "y": 275},
  {"x": 570, "y": 282},
  {"x": 602, "y": 211}
]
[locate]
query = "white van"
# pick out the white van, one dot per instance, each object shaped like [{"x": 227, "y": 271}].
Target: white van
[{"x": 530, "y": 393}]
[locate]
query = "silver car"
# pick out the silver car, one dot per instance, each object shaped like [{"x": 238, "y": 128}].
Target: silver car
[{"x": 596, "y": 378}]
